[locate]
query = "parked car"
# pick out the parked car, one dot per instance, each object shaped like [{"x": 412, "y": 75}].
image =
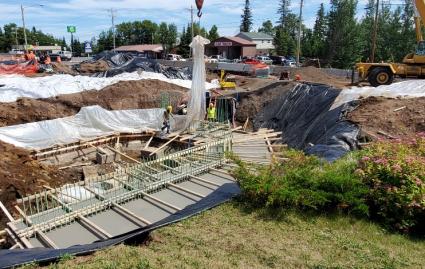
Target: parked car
[
  {"x": 16, "y": 52},
  {"x": 175, "y": 57},
  {"x": 65, "y": 55},
  {"x": 265, "y": 59},
  {"x": 278, "y": 60},
  {"x": 219, "y": 59},
  {"x": 291, "y": 64}
]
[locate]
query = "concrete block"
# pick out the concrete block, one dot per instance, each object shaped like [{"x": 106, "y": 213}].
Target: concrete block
[{"x": 104, "y": 155}]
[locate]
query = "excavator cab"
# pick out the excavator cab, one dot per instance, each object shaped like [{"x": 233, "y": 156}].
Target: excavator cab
[{"x": 418, "y": 57}]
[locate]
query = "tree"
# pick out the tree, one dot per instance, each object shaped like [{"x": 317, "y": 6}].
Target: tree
[
  {"x": 283, "y": 12},
  {"x": 343, "y": 39},
  {"x": 213, "y": 33},
  {"x": 246, "y": 24},
  {"x": 318, "y": 36},
  {"x": 267, "y": 28}
]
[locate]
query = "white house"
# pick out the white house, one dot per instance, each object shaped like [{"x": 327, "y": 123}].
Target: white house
[{"x": 264, "y": 41}]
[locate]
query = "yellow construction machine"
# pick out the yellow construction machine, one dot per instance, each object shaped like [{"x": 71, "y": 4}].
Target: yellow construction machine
[
  {"x": 413, "y": 64},
  {"x": 226, "y": 82}
]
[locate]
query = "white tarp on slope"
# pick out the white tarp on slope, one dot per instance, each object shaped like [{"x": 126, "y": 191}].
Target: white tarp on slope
[
  {"x": 404, "y": 89},
  {"x": 89, "y": 123},
  {"x": 16, "y": 86}
]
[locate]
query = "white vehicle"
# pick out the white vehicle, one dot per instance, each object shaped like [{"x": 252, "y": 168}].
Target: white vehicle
[
  {"x": 218, "y": 59},
  {"x": 291, "y": 64},
  {"x": 265, "y": 59},
  {"x": 65, "y": 55},
  {"x": 16, "y": 52},
  {"x": 175, "y": 57}
]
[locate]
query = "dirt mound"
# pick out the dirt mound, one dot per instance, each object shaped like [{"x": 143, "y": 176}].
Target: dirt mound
[
  {"x": 20, "y": 175},
  {"x": 313, "y": 74},
  {"x": 119, "y": 96},
  {"x": 396, "y": 117},
  {"x": 61, "y": 68},
  {"x": 93, "y": 67},
  {"x": 251, "y": 103}
]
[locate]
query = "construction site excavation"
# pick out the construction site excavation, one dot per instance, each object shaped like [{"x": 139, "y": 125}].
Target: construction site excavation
[{"x": 272, "y": 148}]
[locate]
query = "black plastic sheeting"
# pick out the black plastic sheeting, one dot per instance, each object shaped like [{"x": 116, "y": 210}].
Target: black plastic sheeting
[
  {"x": 127, "y": 63},
  {"x": 306, "y": 122},
  {"x": 16, "y": 257}
]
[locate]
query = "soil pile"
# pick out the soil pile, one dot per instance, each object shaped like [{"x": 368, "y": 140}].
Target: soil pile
[
  {"x": 60, "y": 68},
  {"x": 396, "y": 117},
  {"x": 20, "y": 175},
  {"x": 92, "y": 67},
  {"x": 120, "y": 96},
  {"x": 251, "y": 103},
  {"x": 316, "y": 75}
]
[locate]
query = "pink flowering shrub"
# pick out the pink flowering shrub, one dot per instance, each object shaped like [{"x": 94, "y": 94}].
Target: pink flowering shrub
[{"x": 395, "y": 175}]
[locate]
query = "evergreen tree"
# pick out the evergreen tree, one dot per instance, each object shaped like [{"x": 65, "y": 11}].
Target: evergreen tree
[
  {"x": 213, "y": 33},
  {"x": 246, "y": 24},
  {"x": 343, "y": 38},
  {"x": 283, "y": 12},
  {"x": 267, "y": 28},
  {"x": 318, "y": 36}
]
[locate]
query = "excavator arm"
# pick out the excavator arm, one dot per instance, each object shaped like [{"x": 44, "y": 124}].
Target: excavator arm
[{"x": 419, "y": 18}]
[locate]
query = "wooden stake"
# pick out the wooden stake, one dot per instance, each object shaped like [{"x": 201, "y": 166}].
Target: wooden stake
[
  {"x": 163, "y": 146},
  {"x": 124, "y": 155},
  {"x": 6, "y": 212},
  {"x": 149, "y": 142}
]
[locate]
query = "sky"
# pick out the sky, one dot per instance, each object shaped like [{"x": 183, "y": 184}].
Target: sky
[{"x": 93, "y": 16}]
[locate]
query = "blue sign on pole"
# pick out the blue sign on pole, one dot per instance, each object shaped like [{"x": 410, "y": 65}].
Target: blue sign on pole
[{"x": 87, "y": 47}]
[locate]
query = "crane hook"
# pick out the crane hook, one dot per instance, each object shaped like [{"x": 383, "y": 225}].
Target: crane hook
[{"x": 199, "y": 4}]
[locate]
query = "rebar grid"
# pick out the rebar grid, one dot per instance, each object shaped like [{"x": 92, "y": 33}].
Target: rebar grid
[{"x": 51, "y": 209}]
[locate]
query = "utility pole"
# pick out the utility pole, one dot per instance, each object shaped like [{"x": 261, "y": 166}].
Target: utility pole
[
  {"x": 23, "y": 24},
  {"x": 113, "y": 25},
  {"x": 375, "y": 33},
  {"x": 192, "y": 24},
  {"x": 299, "y": 33},
  {"x": 16, "y": 37}
]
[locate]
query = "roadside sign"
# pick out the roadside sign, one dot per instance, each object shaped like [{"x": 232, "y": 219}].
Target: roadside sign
[
  {"x": 71, "y": 29},
  {"x": 88, "y": 47}
]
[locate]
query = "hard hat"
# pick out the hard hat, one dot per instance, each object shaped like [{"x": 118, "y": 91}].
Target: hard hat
[{"x": 169, "y": 108}]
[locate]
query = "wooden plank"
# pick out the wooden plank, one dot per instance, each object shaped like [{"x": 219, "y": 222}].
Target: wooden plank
[
  {"x": 186, "y": 190},
  {"x": 124, "y": 155},
  {"x": 23, "y": 215},
  {"x": 46, "y": 239},
  {"x": 131, "y": 214},
  {"x": 94, "y": 227},
  {"x": 149, "y": 141},
  {"x": 163, "y": 146},
  {"x": 161, "y": 202},
  {"x": 6, "y": 212},
  {"x": 205, "y": 181}
]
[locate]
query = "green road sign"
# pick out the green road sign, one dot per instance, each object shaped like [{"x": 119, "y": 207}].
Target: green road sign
[{"x": 71, "y": 29}]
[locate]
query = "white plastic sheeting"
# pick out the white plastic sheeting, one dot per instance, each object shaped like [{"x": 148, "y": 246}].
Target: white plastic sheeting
[
  {"x": 16, "y": 86},
  {"x": 89, "y": 123},
  {"x": 197, "y": 105},
  {"x": 404, "y": 89}
]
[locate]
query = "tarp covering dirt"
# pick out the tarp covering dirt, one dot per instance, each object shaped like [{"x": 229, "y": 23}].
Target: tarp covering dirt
[
  {"x": 405, "y": 90},
  {"x": 89, "y": 123},
  {"x": 12, "y": 258},
  {"x": 15, "y": 86},
  {"x": 306, "y": 122},
  {"x": 125, "y": 63},
  {"x": 16, "y": 67}
]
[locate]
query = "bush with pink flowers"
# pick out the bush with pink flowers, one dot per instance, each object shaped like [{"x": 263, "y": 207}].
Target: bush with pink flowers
[{"x": 395, "y": 175}]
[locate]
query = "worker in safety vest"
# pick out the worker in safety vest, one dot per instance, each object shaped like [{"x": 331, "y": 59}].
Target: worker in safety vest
[
  {"x": 211, "y": 112},
  {"x": 166, "y": 119},
  {"x": 47, "y": 60}
]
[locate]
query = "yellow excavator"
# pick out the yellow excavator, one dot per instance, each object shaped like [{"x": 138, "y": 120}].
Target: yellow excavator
[
  {"x": 227, "y": 82},
  {"x": 413, "y": 64}
]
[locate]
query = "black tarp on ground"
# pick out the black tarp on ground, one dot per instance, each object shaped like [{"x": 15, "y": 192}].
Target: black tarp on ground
[
  {"x": 127, "y": 63},
  {"x": 16, "y": 257},
  {"x": 306, "y": 122}
]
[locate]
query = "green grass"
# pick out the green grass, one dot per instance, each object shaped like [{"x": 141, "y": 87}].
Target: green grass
[{"x": 234, "y": 236}]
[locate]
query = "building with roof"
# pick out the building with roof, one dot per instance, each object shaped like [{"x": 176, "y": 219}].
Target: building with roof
[
  {"x": 151, "y": 51},
  {"x": 231, "y": 47},
  {"x": 264, "y": 41}
]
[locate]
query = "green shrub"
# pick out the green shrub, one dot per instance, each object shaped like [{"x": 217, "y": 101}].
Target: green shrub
[
  {"x": 307, "y": 183},
  {"x": 395, "y": 175}
]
